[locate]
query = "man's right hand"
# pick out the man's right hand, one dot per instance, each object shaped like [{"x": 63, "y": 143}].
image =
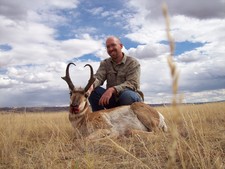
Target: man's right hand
[{"x": 104, "y": 100}]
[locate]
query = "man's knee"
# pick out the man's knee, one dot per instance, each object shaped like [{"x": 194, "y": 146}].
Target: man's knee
[{"x": 127, "y": 97}]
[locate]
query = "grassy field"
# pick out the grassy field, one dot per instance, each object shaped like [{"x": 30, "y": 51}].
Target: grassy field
[{"x": 196, "y": 139}]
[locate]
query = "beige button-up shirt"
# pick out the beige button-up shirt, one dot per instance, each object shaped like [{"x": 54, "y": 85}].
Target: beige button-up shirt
[{"x": 120, "y": 76}]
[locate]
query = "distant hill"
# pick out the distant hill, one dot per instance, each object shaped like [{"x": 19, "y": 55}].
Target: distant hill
[
  {"x": 66, "y": 108},
  {"x": 33, "y": 109}
]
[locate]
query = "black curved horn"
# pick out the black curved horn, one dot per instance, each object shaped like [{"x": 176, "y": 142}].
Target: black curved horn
[
  {"x": 67, "y": 77},
  {"x": 91, "y": 79}
]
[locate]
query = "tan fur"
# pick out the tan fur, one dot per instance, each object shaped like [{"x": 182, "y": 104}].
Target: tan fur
[
  {"x": 146, "y": 114},
  {"x": 123, "y": 120}
]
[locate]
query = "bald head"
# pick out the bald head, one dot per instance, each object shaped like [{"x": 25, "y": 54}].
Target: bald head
[
  {"x": 113, "y": 38},
  {"x": 114, "y": 48}
]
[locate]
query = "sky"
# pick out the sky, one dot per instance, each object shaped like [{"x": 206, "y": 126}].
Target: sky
[{"x": 39, "y": 38}]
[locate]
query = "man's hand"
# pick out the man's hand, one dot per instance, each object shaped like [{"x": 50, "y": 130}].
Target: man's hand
[{"x": 104, "y": 100}]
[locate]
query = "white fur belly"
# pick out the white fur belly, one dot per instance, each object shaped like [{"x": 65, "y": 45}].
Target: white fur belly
[{"x": 123, "y": 119}]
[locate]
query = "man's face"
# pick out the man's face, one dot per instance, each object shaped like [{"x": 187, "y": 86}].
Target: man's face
[{"x": 114, "y": 47}]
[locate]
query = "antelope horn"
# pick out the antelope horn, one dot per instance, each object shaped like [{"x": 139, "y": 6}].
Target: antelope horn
[
  {"x": 67, "y": 77},
  {"x": 91, "y": 80}
]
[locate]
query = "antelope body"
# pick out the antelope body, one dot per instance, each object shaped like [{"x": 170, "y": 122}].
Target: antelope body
[{"x": 123, "y": 120}]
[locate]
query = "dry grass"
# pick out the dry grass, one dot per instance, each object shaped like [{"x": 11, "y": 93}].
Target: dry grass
[{"x": 46, "y": 140}]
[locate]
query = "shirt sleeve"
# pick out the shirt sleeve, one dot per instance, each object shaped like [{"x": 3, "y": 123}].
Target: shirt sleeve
[
  {"x": 132, "y": 78},
  {"x": 100, "y": 75}
]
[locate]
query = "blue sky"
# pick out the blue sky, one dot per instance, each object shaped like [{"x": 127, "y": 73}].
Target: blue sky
[{"x": 39, "y": 37}]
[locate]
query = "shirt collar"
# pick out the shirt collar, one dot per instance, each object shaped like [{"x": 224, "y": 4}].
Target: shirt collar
[{"x": 124, "y": 59}]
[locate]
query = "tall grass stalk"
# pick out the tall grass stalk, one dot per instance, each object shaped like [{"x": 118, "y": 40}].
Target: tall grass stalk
[{"x": 171, "y": 164}]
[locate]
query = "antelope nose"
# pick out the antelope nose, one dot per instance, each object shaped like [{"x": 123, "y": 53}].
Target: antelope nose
[
  {"x": 74, "y": 105},
  {"x": 74, "y": 109}
]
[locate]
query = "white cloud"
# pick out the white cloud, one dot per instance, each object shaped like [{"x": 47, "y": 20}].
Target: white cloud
[
  {"x": 148, "y": 51},
  {"x": 201, "y": 9},
  {"x": 23, "y": 9},
  {"x": 5, "y": 82},
  {"x": 96, "y": 11},
  {"x": 28, "y": 48},
  {"x": 79, "y": 47},
  {"x": 24, "y": 32}
]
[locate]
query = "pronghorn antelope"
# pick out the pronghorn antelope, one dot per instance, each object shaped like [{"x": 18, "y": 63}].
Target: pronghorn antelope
[{"x": 123, "y": 120}]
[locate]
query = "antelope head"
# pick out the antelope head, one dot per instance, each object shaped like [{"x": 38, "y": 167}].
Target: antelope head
[{"x": 78, "y": 96}]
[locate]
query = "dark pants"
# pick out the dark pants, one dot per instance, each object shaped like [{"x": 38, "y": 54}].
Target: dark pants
[{"x": 127, "y": 97}]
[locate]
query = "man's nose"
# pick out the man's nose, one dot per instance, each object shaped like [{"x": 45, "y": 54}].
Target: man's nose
[{"x": 110, "y": 48}]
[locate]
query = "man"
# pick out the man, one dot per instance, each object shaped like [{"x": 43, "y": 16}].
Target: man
[{"x": 122, "y": 74}]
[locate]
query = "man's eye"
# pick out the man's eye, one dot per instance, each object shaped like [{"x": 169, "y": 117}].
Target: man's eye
[{"x": 112, "y": 45}]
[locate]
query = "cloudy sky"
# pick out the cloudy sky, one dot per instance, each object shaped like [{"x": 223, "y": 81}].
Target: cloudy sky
[{"x": 39, "y": 37}]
